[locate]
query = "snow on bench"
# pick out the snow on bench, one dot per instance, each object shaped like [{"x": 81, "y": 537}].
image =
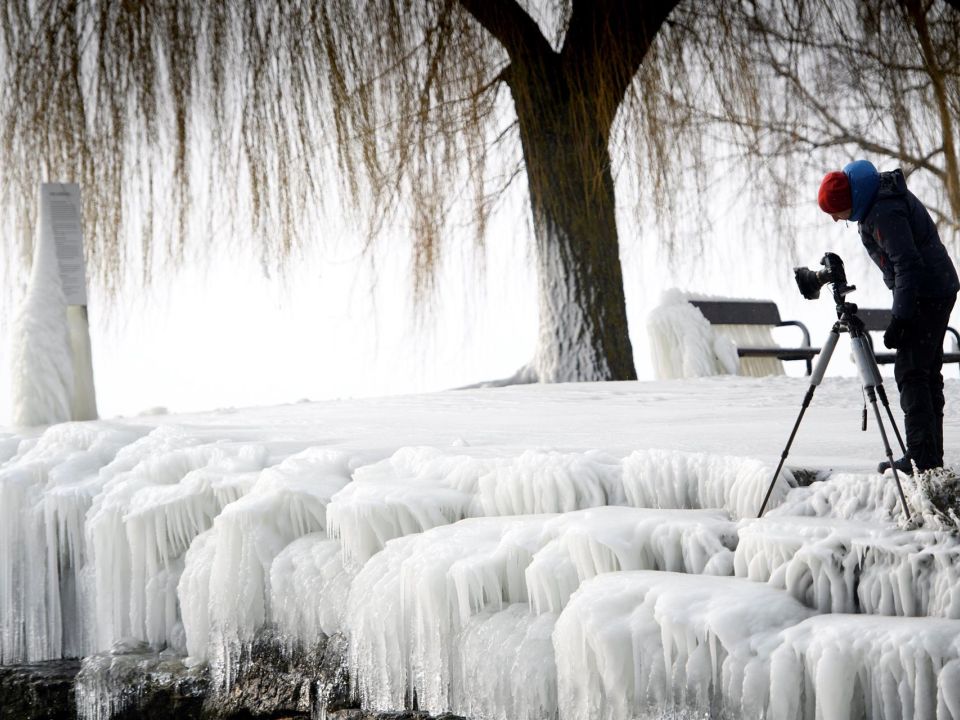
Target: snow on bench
[{"x": 698, "y": 336}]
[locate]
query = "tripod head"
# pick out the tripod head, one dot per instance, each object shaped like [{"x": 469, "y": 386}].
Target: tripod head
[{"x": 847, "y": 315}]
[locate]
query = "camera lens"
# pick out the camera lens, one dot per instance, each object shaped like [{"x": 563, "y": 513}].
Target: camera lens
[{"x": 808, "y": 282}]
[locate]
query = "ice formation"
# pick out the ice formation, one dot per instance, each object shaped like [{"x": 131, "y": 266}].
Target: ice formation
[
  {"x": 45, "y": 492},
  {"x": 864, "y": 666},
  {"x": 853, "y": 566},
  {"x": 43, "y": 373},
  {"x": 412, "y": 600},
  {"x": 635, "y": 643},
  {"x": 847, "y": 497},
  {"x": 420, "y": 488},
  {"x": 654, "y": 478},
  {"x": 498, "y": 582},
  {"x": 308, "y": 588},
  {"x": 225, "y": 590},
  {"x": 643, "y": 642}
]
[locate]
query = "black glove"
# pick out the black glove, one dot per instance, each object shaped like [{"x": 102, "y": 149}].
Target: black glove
[{"x": 896, "y": 333}]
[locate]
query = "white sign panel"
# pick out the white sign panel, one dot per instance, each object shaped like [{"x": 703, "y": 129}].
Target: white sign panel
[{"x": 60, "y": 216}]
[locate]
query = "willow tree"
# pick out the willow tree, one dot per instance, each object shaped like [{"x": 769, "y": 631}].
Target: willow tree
[
  {"x": 834, "y": 81},
  {"x": 148, "y": 104}
]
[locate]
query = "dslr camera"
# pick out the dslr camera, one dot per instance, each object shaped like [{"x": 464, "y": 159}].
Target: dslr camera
[{"x": 810, "y": 281}]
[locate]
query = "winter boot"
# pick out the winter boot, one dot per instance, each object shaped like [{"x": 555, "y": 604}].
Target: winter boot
[{"x": 903, "y": 465}]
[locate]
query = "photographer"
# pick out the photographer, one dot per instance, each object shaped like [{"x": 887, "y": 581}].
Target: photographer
[{"x": 903, "y": 241}]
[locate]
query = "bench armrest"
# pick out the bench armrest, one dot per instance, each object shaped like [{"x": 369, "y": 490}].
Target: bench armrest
[
  {"x": 806, "y": 333},
  {"x": 950, "y": 331},
  {"x": 806, "y": 339},
  {"x": 956, "y": 337}
]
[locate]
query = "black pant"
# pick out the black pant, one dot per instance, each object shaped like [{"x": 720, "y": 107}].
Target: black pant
[{"x": 918, "y": 374}]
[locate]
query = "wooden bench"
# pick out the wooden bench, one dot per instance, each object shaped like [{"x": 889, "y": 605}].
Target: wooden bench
[
  {"x": 757, "y": 312},
  {"x": 877, "y": 320}
]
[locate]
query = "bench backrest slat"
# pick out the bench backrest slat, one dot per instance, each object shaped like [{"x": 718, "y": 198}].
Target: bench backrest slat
[
  {"x": 875, "y": 319},
  {"x": 738, "y": 312}
]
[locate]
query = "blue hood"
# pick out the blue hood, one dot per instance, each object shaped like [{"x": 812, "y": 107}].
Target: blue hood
[{"x": 864, "y": 181}]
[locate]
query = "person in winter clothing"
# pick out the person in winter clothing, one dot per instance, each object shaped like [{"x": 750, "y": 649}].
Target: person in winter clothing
[{"x": 901, "y": 237}]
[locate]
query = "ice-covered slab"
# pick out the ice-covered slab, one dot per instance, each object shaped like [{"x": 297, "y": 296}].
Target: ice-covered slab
[
  {"x": 609, "y": 539},
  {"x": 45, "y": 490},
  {"x": 854, "y": 667},
  {"x": 812, "y": 558},
  {"x": 412, "y": 491},
  {"x": 409, "y": 603},
  {"x": 671, "y": 479},
  {"x": 224, "y": 592},
  {"x": 849, "y": 566},
  {"x": 636, "y": 643},
  {"x": 847, "y": 496},
  {"x": 141, "y": 523},
  {"x": 654, "y": 644},
  {"x": 421, "y": 488},
  {"x": 503, "y": 666},
  {"x": 308, "y": 589}
]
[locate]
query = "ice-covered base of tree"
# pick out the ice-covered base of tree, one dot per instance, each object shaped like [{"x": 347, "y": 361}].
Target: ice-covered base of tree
[{"x": 581, "y": 551}]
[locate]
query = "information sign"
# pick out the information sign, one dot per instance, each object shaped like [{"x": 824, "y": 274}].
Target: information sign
[{"x": 60, "y": 211}]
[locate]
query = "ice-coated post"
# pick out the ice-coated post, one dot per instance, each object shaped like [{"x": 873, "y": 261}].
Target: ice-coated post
[{"x": 53, "y": 370}]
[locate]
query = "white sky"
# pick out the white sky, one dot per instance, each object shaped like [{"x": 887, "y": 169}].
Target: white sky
[{"x": 221, "y": 334}]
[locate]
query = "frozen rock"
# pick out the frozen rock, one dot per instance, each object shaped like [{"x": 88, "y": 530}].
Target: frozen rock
[
  {"x": 862, "y": 666},
  {"x": 847, "y": 496},
  {"x": 225, "y": 589},
  {"x": 411, "y": 604},
  {"x": 671, "y": 479},
  {"x": 308, "y": 589},
  {"x": 636, "y": 643},
  {"x": 45, "y": 492},
  {"x": 850, "y": 566},
  {"x": 503, "y": 666}
]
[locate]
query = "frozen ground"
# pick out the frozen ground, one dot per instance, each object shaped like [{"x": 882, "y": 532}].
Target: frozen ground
[{"x": 581, "y": 551}]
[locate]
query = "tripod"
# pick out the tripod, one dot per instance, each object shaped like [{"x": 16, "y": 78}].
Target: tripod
[{"x": 848, "y": 322}]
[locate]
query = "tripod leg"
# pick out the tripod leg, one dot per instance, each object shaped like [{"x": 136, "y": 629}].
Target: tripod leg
[
  {"x": 815, "y": 380},
  {"x": 886, "y": 404},
  {"x": 886, "y": 446},
  {"x": 870, "y": 369}
]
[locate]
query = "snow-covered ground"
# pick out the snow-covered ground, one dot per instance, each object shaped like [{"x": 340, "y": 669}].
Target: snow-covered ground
[{"x": 587, "y": 551}]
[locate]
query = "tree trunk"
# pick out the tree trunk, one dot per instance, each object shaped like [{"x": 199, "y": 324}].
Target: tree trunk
[
  {"x": 583, "y": 317},
  {"x": 566, "y": 102}
]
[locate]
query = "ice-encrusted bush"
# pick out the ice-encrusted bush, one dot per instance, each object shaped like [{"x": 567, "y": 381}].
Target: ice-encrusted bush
[{"x": 934, "y": 498}]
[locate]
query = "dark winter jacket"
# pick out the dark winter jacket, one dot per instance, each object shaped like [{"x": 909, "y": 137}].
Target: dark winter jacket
[{"x": 900, "y": 236}]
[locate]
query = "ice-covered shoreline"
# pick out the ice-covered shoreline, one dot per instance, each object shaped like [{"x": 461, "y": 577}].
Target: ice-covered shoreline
[{"x": 500, "y": 553}]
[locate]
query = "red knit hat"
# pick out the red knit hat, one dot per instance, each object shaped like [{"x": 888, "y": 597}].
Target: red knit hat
[{"x": 834, "y": 196}]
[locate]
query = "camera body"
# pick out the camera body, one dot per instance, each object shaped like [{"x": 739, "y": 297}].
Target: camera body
[{"x": 809, "y": 281}]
